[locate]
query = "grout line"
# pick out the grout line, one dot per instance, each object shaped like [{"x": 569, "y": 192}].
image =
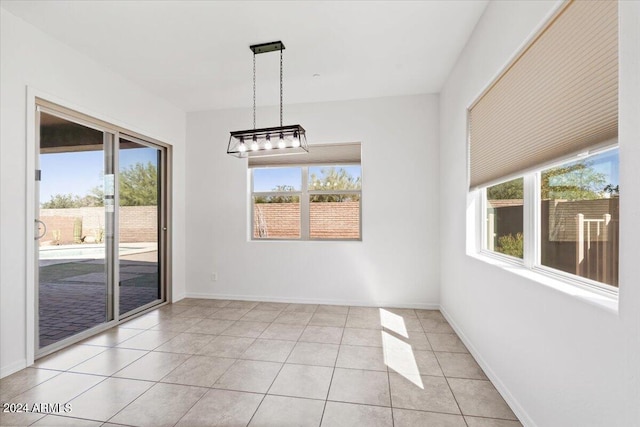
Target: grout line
[
  {"x": 194, "y": 404},
  {"x": 292, "y": 397},
  {"x": 393, "y": 422},
  {"x": 324, "y": 408},
  {"x": 493, "y": 418},
  {"x": 155, "y": 383},
  {"x": 393, "y": 418},
  {"x": 362, "y": 404},
  {"x": 450, "y": 390},
  {"x": 26, "y": 390},
  {"x": 271, "y": 385}
]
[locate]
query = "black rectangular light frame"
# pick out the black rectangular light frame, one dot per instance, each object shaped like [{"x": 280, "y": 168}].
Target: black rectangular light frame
[{"x": 246, "y": 137}]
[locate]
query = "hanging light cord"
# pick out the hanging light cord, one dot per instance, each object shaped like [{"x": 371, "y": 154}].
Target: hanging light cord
[
  {"x": 254, "y": 90},
  {"x": 281, "y": 87}
]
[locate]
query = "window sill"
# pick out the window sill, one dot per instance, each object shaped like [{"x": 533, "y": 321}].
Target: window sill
[{"x": 590, "y": 296}]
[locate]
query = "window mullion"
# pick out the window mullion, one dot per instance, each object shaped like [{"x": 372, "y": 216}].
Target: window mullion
[
  {"x": 304, "y": 205},
  {"x": 529, "y": 220},
  {"x": 251, "y": 213},
  {"x": 537, "y": 197},
  {"x": 482, "y": 238}
]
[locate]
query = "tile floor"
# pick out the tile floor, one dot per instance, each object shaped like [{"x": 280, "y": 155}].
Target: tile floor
[{"x": 241, "y": 363}]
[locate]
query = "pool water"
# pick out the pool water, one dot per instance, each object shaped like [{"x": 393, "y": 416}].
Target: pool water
[{"x": 93, "y": 252}]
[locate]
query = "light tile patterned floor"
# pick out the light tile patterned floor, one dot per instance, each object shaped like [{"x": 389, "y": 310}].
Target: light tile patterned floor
[{"x": 242, "y": 363}]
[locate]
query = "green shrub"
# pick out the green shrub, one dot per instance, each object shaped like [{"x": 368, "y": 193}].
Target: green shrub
[{"x": 510, "y": 245}]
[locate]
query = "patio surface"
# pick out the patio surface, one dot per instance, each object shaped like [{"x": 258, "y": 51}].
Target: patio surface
[{"x": 73, "y": 294}]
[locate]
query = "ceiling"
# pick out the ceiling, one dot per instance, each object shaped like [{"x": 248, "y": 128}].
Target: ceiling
[{"x": 195, "y": 54}]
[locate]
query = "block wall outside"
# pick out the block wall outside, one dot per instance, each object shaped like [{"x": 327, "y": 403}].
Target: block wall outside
[
  {"x": 327, "y": 220},
  {"x": 137, "y": 223},
  {"x": 276, "y": 220},
  {"x": 559, "y": 235},
  {"x": 334, "y": 220}
]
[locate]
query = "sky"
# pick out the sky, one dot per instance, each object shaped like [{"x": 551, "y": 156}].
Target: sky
[
  {"x": 266, "y": 179},
  {"x": 78, "y": 172},
  {"x": 606, "y": 163}
]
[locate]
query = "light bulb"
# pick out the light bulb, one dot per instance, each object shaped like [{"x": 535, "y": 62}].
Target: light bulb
[
  {"x": 281, "y": 143},
  {"x": 254, "y": 144},
  {"x": 295, "y": 142},
  {"x": 241, "y": 147},
  {"x": 267, "y": 145}
]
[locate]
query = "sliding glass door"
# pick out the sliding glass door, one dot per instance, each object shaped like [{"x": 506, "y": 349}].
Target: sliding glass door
[
  {"x": 100, "y": 239},
  {"x": 75, "y": 229},
  {"x": 141, "y": 175}
]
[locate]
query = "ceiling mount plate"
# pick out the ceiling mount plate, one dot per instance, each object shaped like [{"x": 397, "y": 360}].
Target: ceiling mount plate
[{"x": 266, "y": 47}]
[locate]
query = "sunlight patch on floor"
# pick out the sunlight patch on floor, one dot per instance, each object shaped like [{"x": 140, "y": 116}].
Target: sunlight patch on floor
[
  {"x": 398, "y": 355},
  {"x": 393, "y": 322}
]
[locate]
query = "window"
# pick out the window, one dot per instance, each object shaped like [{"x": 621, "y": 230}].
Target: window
[
  {"x": 504, "y": 224},
  {"x": 543, "y": 150},
  {"x": 276, "y": 203},
  {"x": 317, "y": 202},
  {"x": 576, "y": 229},
  {"x": 579, "y": 217}
]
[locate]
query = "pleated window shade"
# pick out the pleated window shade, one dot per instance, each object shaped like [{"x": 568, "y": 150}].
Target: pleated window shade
[
  {"x": 558, "y": 98},
  {"x": 325, "y": 154}
]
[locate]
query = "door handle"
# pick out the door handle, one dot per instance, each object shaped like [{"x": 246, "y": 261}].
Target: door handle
[{"x": 43, "y": 226}]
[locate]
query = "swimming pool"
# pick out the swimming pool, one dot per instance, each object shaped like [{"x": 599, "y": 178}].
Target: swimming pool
[{"x": 83, "y": 251}]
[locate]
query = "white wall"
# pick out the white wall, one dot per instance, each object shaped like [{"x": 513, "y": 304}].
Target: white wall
[
  {"x": 558, "y": 360},
  {"x": 397, "y": 261},
  {"x": 29, "y": 57}
]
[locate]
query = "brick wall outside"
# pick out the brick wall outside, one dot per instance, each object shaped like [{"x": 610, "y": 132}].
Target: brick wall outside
[
  {"x": 61, "y": 223},
  {"x": 334, "y": 220},
  {"x": 137, "y": 223},
  {"x": 276, "y": 220},
  {"x": 327, "y": 220}
]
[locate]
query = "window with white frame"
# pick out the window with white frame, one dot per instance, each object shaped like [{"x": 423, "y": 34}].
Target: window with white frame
[
  {"x": 504, "y": 225},
  {"x": 320, "y": 199},
  {"x": 543, "y": 151},
  {"x": 573, "y": 221}
]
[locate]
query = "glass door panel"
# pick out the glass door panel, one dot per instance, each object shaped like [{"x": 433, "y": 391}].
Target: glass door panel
[
  {"x": 140, "y": 216},
  {"x": 75, "y": 229}
]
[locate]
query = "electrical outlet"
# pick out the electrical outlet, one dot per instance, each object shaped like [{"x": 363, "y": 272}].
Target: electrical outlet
[{"x": 214, "y": 277}]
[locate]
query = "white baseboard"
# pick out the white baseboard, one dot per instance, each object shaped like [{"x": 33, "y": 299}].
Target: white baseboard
[
  {"x": 11, "y": 368},
  {"x": 513, "y": 403},
  {"x": 177, "y": 298},
  {"x": 424, "y": 306}
]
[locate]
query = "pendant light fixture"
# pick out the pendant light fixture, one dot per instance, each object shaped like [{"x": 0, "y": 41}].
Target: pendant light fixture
[{"x": 254, "y": 142}]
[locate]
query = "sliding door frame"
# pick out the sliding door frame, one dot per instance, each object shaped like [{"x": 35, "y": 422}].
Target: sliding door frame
[
  {"x": 38, "y": 101},
  {"x": 109, "y": 144},
  {"x": 162, "y": 221}
]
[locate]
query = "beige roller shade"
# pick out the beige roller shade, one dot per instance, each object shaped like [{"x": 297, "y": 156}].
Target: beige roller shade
[
  {"x": 325, "y": 154},
  {"x": 559, "y": 97}
]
